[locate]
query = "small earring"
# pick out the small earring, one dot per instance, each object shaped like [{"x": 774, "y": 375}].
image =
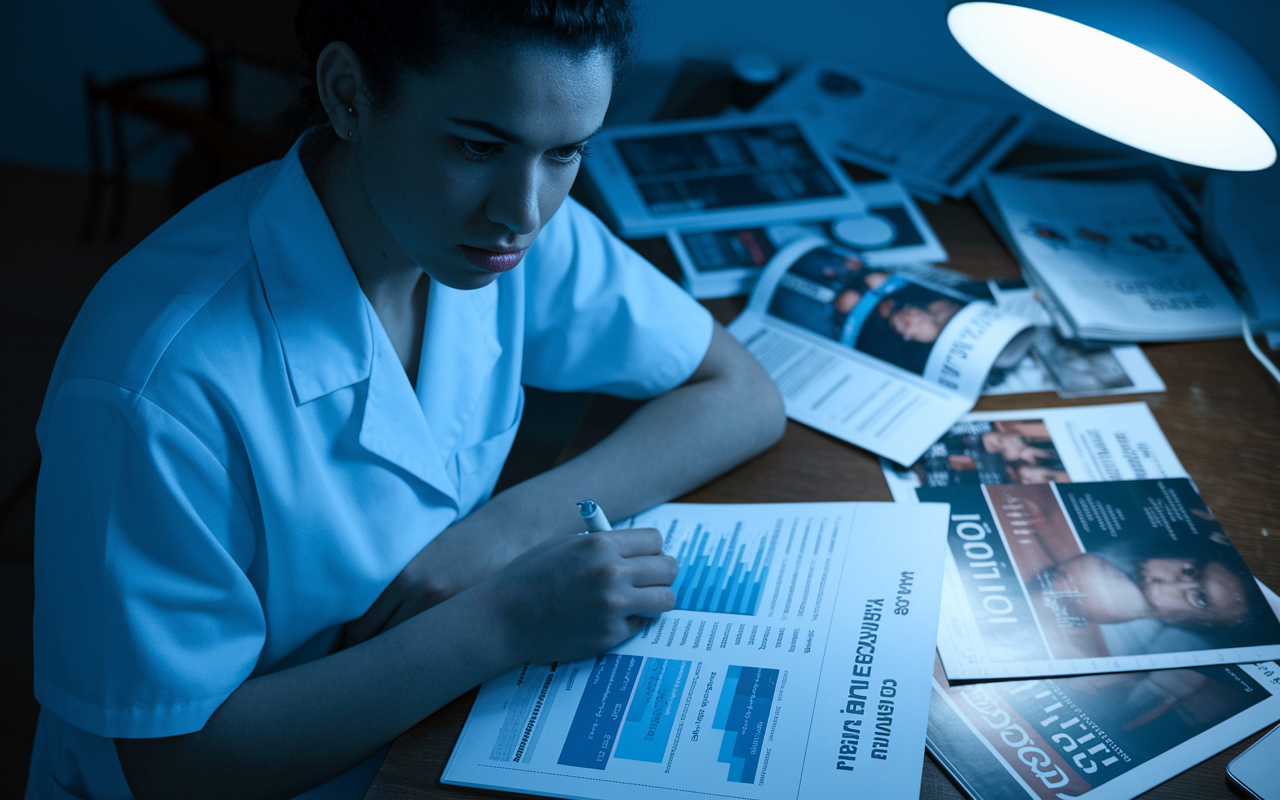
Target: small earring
[{"x": 350, "y": 135}]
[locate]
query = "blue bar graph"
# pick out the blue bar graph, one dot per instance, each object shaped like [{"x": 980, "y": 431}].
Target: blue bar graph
[
  {"x": 647, "y": 727},
  {"x": 595, "y": 723},
  {"x": 715, "y": 574},
  {"x": 741, "y": 712}
]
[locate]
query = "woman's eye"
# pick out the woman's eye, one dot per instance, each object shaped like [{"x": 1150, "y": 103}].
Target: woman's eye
[
  {"x": 476, "y": 150},
  {"x": 570, "y": 153},
  {"x": 1198, "y": 599}
]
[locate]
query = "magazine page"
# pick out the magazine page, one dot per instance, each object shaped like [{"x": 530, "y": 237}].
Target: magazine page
[
  {"x": 722, "y": 263},
  {"x": 1073, "y": 578},
  {"x": 1112, "y": 735},
  {"x": 1115, "y": 442},
  {"x": 938, "y": 145},
  {"x": 868, "y": 354},
  {"x": 1070, "y": 367},
  {"x": 1112, "y": 261},
  {"x": 796, "y": 664},
  {"x": 706, "y": 173},
  {"x": 1123, "y": 733}
]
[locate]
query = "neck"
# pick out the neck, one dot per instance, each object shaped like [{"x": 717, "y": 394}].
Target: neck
[
  {"x": 386, "y": 273},
  {"x": 394, "y": 284}
]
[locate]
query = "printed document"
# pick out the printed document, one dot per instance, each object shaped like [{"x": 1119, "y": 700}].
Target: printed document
[
  {"x": 1073, "y": 578},
  {"x": 796, "y": 664},
  {"x": 936, "y": 145},
  {"x": 886, "y": 358},
  {"x": 1110, "y": 261},
  {"x": 1114, "y": 735},
  {"x": 1114, "y": 442}
]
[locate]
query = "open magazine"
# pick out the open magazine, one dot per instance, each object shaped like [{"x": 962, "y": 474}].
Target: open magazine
[{"x": 881, "y": 357}]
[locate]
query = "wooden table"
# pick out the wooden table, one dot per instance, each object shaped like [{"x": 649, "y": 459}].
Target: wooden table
[{"x": 1221, "y": 413}]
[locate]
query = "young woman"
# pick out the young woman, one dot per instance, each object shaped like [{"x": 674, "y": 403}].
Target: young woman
[{"x": 266, "y": 545}]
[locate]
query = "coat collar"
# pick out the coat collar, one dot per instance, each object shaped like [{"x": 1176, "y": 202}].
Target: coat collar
[
  {"x": 332, "y": 338},
  {"x": 324, "y": 321}
]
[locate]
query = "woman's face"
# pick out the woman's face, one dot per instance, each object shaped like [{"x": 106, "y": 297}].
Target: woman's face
[{"x": 478, "y": 155}]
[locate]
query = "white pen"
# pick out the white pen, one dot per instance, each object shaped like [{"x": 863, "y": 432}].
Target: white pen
[{"x": 593, "y": 517}]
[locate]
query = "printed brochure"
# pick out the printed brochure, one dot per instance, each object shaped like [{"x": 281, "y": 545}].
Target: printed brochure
[
  {"x": 1115, "y": 442},
  {"x": 724, "y": 263},
  {"x": 796, "y": 664}
]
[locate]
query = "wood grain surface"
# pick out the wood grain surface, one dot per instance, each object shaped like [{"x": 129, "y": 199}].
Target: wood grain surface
[{"x": 1221, "y": 413}]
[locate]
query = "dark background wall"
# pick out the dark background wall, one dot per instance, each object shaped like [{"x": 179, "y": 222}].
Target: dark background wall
[{"x": 46, "y": 47}]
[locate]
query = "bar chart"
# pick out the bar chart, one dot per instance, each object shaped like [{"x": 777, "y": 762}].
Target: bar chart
[
  {"x": 722, "y": 573},
  {"x": 742, "y": 711}
]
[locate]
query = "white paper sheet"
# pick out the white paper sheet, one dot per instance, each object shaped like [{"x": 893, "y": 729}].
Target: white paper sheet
[
  {"x": 818, "y": 618},
  {"x": 937, "y": 145}
]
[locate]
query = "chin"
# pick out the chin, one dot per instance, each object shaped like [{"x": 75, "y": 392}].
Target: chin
[{"x": 468, "y": 281}]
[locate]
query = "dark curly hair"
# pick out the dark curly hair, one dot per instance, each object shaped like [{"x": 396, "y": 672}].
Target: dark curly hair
[{"x": 395, "y": 36}]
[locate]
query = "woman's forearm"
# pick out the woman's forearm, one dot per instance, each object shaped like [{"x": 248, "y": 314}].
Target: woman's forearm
[
  {"x": 726, "y": 413},
  {"x": 280, "y": 734},
  {"x": 283, "y": 733}
]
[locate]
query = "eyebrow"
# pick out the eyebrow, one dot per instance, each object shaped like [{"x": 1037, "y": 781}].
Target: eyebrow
[{"x": 494, "y": 130}]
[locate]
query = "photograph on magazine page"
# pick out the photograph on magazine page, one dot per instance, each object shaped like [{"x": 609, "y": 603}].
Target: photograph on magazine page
[
  {"x": 880, "y": 313},
  {"x": 992, "y": 452}
]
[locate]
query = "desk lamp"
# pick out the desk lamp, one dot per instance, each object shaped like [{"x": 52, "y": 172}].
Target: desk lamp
[{"x": 1148, "y": 73}]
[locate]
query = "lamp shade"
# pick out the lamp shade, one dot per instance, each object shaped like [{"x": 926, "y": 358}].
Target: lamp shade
[{"x": 1148, "y": 73}]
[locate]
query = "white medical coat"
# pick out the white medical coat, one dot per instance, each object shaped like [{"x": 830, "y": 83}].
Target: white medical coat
[{"x": 235, "y": 463}]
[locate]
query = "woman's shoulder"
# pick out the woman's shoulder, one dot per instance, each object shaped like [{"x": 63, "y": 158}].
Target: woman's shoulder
[{"x": 153, "y": 292}]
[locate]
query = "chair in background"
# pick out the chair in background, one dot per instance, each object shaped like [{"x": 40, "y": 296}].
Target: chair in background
[{"x": 259, "y": 31}]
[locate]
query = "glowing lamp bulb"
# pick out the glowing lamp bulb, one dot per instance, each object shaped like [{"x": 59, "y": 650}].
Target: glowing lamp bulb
[{"x": 1112, "y": 86}]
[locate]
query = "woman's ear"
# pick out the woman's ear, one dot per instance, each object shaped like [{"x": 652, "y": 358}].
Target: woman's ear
[{"x": 341, "y": 86}]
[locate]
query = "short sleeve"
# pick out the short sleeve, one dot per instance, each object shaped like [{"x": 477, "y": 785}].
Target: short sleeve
[
  {"x": 145, "y": 621},
  {"x": 598, "y": 317}
]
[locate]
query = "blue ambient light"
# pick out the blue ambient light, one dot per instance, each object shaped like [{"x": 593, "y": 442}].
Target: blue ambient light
[{"x": 1148, "y": 73}]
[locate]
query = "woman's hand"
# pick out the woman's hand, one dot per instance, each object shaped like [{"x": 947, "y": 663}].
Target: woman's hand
[{"x": 574, "y": 597}]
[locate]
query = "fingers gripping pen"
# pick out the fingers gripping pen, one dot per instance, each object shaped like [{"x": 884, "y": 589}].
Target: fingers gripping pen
[{"x": 593, "y": 517}]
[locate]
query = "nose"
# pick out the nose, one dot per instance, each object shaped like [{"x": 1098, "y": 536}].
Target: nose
[{"x": 513, "y": 200}]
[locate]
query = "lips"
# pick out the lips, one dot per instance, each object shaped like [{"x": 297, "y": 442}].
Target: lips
[{"x": 493, "y": 260}]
